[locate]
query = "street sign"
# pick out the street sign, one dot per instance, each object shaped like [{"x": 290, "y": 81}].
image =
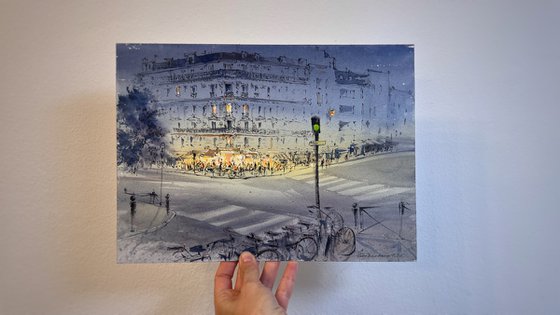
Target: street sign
[{"x": 320, "y": 142}]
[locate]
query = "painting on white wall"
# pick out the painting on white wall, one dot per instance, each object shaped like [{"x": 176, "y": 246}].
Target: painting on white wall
[{"x": 291, "y": 152}]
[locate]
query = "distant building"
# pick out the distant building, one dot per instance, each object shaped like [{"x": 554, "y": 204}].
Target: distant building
[{"x": 245, "y": 101}]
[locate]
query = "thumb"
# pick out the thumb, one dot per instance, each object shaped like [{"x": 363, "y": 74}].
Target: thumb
[{"x": 248, "y": 267}]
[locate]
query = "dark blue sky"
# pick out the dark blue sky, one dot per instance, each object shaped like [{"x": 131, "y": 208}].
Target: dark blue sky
[{"x": 399, "y": 59}]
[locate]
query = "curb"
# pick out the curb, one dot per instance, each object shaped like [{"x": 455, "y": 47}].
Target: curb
[{"x": 172, "y": 215}]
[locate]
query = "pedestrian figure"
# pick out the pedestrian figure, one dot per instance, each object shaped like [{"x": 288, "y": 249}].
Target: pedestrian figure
[
  {"x": 153, "y": 197},
  {"x": 322, "y": 163},
  {"x": 132, "y": 212},
  {"x": 167, "y": 203},
  {"x": 355, "y": 211},
  {"x": 402, "y": 207}
]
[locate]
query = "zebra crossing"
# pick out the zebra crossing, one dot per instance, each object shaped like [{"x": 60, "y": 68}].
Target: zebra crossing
[
  {"x": 358, "y": 190},
  {"x": 242, "y": 220}
]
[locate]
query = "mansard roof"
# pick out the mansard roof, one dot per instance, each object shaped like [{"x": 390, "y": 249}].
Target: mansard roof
[{"x": 192, "y": 59}]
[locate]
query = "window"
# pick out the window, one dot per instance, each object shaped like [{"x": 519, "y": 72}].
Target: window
[
  {"x": 177, "y": 91},
  {"x": 212, "y": 90}
]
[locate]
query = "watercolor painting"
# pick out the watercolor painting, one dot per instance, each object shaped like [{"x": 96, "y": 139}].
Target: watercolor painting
[{"x": 291, "y": 152}]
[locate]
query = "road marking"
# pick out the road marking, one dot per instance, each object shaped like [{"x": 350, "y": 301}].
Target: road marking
[
  {"x": 234, "y": 216},
  {"x": 331, "y": 182},
  {"x": 383, "y": 193},
  {"x": 274, "y": 221},
  {"x": 322, "y": 180},
  {"x": 348, "y": 184},
  {"x": 205, "y": 215},
  {"x": 303, "y": 176},
  {"x": 360, "y": 190},
  {"x": 243, "y": 220}
]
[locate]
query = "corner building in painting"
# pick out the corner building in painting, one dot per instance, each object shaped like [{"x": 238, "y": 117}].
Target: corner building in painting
[{"x": 245, "y": 102}]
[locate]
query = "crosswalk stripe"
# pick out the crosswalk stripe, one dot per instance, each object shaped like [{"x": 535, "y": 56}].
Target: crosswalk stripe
[
  {"x": 205, "y": 215},
  {"x": 265, "y": 225},
  {"x": 245, "y": 215},
  {"x": 348, "y": 184},
  {"x": 243, "y": 220},
  {"x": 383, "y": 193},
  {"x": 303, "y": 176},
  {"x": 331, "y": 182},
  {"x": 323, "y": 180},
  {"x": 360, "y": 190}
]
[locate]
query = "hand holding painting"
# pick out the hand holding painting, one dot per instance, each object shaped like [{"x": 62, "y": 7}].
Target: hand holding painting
[{"x": 252, "y": 295}]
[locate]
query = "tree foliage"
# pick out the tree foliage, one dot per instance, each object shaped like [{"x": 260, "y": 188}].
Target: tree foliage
[{"x": 140, "y": 135}]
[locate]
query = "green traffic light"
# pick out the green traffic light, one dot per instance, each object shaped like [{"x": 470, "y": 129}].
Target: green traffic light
[{"x": 316, "y": 124}]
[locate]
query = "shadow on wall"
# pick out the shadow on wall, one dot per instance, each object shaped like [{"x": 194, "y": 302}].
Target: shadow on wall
[{"x": 86, "y": 238}]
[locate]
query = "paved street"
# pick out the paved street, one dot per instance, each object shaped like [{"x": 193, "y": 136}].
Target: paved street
[{"x": 204, "y": 206}]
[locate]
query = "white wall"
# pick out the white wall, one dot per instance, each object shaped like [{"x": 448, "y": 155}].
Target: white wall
[{"x": 487, "y": 159}]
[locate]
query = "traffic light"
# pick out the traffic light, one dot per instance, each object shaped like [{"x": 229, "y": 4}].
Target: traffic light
[{"x": 316, "y": 124}]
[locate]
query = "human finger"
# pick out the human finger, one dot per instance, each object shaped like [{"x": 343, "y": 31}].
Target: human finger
[
  {"x": 224, "y": 274},
  {"x": 269, "y": 273},
  {"x": 248, "y": 270},
  {"x": 286, "y": 285}
]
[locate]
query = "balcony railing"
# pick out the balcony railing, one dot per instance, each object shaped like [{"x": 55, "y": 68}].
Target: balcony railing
[{"x": 235, "y": 130}]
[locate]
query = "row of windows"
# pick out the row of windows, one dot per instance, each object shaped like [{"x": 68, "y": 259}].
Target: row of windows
[
  {"x": 185, "y": 141},
  {"x": 228, "y": 90}
]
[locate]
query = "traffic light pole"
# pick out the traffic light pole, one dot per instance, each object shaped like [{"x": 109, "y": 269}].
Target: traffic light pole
[
  {"x": 317, "y": 200},
  {"x": 316, "y": 127}
]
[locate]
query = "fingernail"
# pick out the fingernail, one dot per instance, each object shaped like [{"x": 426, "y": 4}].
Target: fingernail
[{"x": 247, "y": 257}]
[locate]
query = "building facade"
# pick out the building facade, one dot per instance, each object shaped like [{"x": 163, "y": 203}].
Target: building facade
[{"x": 247, "y": 102}]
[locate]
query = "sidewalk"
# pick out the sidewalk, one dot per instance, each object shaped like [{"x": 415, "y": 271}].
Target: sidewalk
[{"x": 148, "y": 217}]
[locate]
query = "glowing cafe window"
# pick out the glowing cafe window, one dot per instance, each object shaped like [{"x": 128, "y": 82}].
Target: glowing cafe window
[
  {"x": 177, "y": 91},
  {"x": 214, "y": 109},
  {"x": 228, "y": 108},
  {"x": 245, "y": 109}
]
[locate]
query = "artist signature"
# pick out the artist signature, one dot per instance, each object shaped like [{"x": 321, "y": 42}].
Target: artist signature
[{"x": 363, "y": 254}]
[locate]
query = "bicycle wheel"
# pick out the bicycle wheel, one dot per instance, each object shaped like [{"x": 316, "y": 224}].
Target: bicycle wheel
[
  {"x": 269, "y": 255},
  {"x": 306, "y": 249},
  {"x": 345, "y": 243},
  {"x": 335, "y": 220}
]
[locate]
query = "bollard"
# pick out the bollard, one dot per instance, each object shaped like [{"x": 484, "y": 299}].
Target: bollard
[
  {"x": 167, "y": 203},
  {"x": 132, "y": 212}
]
